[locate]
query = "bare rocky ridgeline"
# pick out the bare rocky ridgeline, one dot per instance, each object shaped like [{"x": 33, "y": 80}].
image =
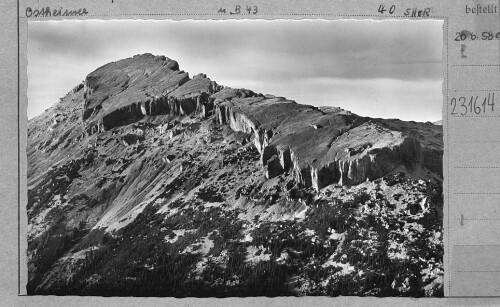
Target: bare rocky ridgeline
[{"x": 144, "y": 181}]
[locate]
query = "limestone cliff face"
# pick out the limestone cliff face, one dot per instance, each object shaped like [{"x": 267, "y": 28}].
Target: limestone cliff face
[
  {"x": 123, "y": 92},
  {"x": 322, "y": 148},
  {"x": 319, "y": 146}
]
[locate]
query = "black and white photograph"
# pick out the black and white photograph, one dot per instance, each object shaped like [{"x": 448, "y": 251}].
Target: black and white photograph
[{"x": 235, "y": 158}]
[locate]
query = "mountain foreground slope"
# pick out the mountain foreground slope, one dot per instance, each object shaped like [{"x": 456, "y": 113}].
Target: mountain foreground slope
[{"x": 143, "y": 181}]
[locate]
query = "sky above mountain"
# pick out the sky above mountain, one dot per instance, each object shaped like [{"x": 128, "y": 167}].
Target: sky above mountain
[{"x": 388, "y": 69}]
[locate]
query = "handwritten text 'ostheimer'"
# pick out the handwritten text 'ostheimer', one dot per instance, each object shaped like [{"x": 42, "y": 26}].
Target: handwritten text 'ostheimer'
[{"x": 48, "y": 12}]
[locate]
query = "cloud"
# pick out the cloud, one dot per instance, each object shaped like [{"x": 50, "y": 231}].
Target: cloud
[{"x": 270, "y": 52}]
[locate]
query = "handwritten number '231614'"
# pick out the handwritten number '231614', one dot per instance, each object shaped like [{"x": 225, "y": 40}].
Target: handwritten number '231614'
[{"x": 473, "y": 105}]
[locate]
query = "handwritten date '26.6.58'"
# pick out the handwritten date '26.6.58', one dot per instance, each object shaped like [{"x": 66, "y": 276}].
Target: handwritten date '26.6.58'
[{"x": 473, "y": 105}]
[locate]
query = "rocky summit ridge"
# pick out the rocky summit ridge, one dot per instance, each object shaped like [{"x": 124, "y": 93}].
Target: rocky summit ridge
[
  {"x": 321, "y": 146},
  {"x": 139, "y": 142}
]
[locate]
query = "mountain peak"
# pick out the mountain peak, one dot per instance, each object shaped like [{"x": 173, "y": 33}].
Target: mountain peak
[
  {"x": 144, "y": 179},
  {"x": 320, "y": 146},
  {"x": 129, "y": 82}
]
